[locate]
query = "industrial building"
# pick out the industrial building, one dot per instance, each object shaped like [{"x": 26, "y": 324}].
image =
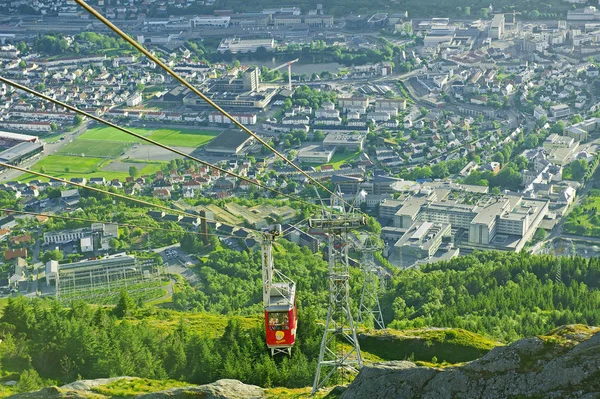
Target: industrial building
[
  {"x": 492, "y": 222},
  {"x": 232, "y": 91},
  {"x": 315, "y": 154},
  {"x": 89, "y": 238},
  {"x": 21, "y": 152},
  {"x": 422, "y": 241},
  {"x": 101, "y": 280},
  {"x": 239, "y": 45},
  {"x": 229, "y": 143},
  {"x": 203, "y": 21}
]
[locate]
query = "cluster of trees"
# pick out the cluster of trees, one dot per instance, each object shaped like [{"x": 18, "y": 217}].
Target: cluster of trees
[
  {"x": 306, "y": 97},
  {"x": 499, "y": 294},
  {"x": 84, "y": 43},
  {"x": 93, "y": 42},
  {"x": 193, "y": 243},
  {"x": 440, "y": 170},
  {"x": 584, "y": 219},
  {"x": 62, "y": 345},
  {"x": 509, "y": 177},
  {"x": 230, "y": 281},
  {"x": 576, "y": 170},
  {"x": 52, "y": 44},
  {"x": 9, "y": 200}
]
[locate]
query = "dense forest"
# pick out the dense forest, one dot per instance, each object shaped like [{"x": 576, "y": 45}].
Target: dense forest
[
  {"x": 502, "y": 295},
  {"x": 84, "y": 342}
]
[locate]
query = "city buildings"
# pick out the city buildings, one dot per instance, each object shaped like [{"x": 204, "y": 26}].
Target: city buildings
[{"x": 497, "y": 27}]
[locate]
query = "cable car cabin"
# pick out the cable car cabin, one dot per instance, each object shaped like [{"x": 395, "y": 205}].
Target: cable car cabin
[{"x": 281, "y": 318}]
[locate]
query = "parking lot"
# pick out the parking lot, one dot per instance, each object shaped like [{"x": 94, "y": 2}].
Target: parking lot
[{"x": 178, "y": 262}]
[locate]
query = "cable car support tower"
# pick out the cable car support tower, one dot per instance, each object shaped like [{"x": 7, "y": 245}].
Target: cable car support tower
[
  {"x": 339, "y": 326},
  {"x": 369, "y": 301}
]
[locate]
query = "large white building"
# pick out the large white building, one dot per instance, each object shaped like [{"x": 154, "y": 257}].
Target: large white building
[
  {"x": 497, "y": 27},
  {"x": 506, "y": 222},
  {"x": 353, "y": 142},
  {"x": 135, "y": 99},
  {"x": 560, "y": 110},
  {"x": 315, "y": 154},
  {"x": 239, "y": 45},
  {"x": 244, "y": 118}
]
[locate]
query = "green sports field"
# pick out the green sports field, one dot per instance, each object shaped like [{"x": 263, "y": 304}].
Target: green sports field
[
  {"x": 101, "y": 145},
  {"x": 112, "y": 134},
  {"x": 58, "y": 164},
  {"x": 94, "y": 148},
  {"x": 183, "y": 137},
  {"x": 170, "y": 137}
]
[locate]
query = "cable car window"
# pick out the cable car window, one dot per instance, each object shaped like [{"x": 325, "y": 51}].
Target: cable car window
[{"x": 279, "y": 321}]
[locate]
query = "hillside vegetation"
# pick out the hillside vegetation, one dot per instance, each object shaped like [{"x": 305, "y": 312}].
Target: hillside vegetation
[
  {"x": 219, "y": 332},
  {"x": 502, "y": 295}
]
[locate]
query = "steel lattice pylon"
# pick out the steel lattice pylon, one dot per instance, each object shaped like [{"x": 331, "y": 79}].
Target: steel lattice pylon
[
  {"x": 339, "y": 326},
  {"x": 369, "y": 300}
]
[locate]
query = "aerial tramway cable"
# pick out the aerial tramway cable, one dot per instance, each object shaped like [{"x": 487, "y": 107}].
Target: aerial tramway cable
[
  {"x": 175, "y": 75},
  {"x": 121, "y": 196},
  {"x": 78, "y": 219},
  {"x": 146, "y": 139},
  {"x": 279, "y": 291}
]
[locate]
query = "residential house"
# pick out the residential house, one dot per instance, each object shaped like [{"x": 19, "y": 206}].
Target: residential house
[
  {"x": 15, "y": 253},
  {"x": 18, "y": 240},
  {"x": 162, "y": 193}
]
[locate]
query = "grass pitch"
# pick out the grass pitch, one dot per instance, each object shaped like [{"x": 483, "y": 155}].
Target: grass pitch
[
  {"x": 53, "y": 164},
  {"x": 112, "y": 134},
  {"x": 183, "y": 137},
  {"x": 94, "y": 148}
]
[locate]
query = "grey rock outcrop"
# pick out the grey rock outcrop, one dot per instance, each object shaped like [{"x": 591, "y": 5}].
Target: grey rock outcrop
[
  {"x": 563, "y": 365},
  {"x": 221, "y": 389}
]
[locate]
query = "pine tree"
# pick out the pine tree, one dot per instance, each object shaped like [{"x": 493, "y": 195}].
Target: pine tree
[
  {"x": 29, "y": 380},
  {"x": 126, "y": 306}
]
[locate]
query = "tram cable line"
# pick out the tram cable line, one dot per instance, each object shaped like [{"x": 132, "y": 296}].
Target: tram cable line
[
  {"x": 175, "y": 75},
  {"x": 79, "y": 219},
  {"x": 121, "y": 196},
  {"x": 148, "y": 140},
  {"x": 279, "y": 292}
]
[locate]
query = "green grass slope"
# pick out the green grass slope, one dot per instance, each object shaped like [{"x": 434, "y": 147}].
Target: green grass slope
[{"x": 452, "y": 345}]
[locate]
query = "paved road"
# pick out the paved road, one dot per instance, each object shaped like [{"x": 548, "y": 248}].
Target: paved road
[{"x": 580, "y": 238}]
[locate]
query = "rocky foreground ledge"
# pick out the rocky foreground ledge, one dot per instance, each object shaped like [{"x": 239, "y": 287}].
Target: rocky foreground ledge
[
  {"x": 221, "y": 389},
  {"x": 565, "y": 364}
]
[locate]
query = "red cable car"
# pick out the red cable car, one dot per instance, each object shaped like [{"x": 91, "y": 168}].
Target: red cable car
[
  {"x": 281, "y": 318},
  {"x": 279, "y": 300}
]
